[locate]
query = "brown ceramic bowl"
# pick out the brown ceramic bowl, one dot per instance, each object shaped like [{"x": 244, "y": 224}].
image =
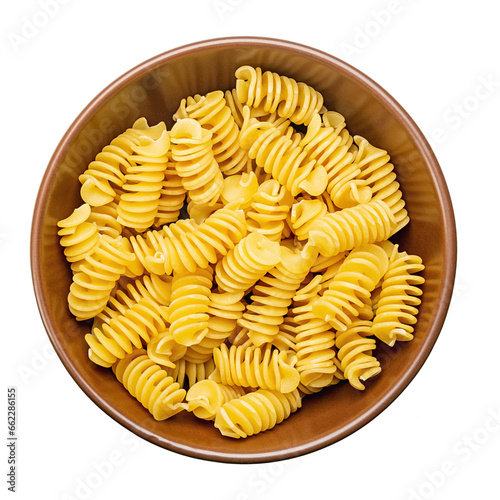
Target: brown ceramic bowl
[{"x": 154, "y": 89}]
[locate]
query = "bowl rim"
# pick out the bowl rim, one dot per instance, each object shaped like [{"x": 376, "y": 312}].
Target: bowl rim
[{"x": 370, "y": 86}]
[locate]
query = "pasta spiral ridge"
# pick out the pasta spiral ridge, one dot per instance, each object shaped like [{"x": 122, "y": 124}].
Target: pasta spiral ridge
[
  {"x": 114, "y": 339},
  {"x": 79, "y": 237},
  {"x": 183, "y": 246},
  {"x": 246, "y": 263},
  {"x": 105, "y": 218},
  {"x": 164, "y": 350},
  {"x": 378, "y": 173},
  {"x": 303, "y": 214},
  {"x": 92, "y": 284},
  {"x": 213, "y": 114},
  {"x": 139, "y": 201},
  {"x": 272, "y": 295},
  {"x": 188, "y": 311},
  {"x": 195, "y": 162},
  {"x": 399, "y": 298},
  {"x": 187, "y": 373},
  {"x": 331, "y": 146},
  {"x": 111, "y": 164},
  {"x": 281, "y": 157},
  {"x": 363, "y": 224},
  {"x": 356, "y": 278},
  {"x": 271, "y": 92},
  {"x": 206, "y": 397},
  {"x": 269, "y": 209},
  {"x": 172, "y": 195},
  {"x": 256, "y": 412},
  {"x": 224, "y": 309},
  {"x": 355, "y": 353},
  {"x": 314, "y": 340},
  {"x": 150, "y": 385},
  {"x": 257, "y": 367}
]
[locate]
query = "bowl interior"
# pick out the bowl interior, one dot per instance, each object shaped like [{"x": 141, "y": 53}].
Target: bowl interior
[{"x": 154, "y": 90}]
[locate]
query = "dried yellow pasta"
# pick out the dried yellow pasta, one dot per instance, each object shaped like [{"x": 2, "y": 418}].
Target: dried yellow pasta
[{"x": 241, "y": 260}]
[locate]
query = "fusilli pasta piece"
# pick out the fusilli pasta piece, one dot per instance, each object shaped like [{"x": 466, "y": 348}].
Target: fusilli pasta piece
[
  {"x": 97, "y": 276},
  {"x": 78, "y": 236},
  {"x": 399, "y": 298},
  {"x": 195, "y": 162},
  {"x": 246, "y": 263},
  {"x": 256, "y": 412},
  {"x": 378, "y": 173},
  {"x": 150, "y": 385},
  {"x": 213, "y": 114},
  {"x": 257, "y": 367},
  {"x": 272, "y": 295},
  {"x": 188, "y": 311},
  {"x": 269, "y": 209},
  {"x": 279, "y": 156},
  {"x": 137, "y": 325},
  {"x": 271, "y": 92},
  {"x": 206, "y": 397},
  {"x": 138, "y": 203},
  {"x": 355, "y": 353},
  {"x": 314, "y": 340},
  {"x": 184, "y": 246},
  {"x": 358, "y": 275},
  {"x": 352, "y": 227}
]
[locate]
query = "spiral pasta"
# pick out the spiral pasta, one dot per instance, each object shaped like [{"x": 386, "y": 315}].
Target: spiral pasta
[
  {"x": 273, "y": 294},
  {"x": 164, "y": 350},
  {"x": 213, "y": 114},
  {"x": 150, "y": 385},
  {"x": 184, "y": 246},
  {"x": 378, "y": 173},
  {"x": 279, "y": 156},
  {"x": 187, "y": 373},
  {"x": 242, "y": 259},
  {"x": 224, "y": 309},
  {"x": 206, "y": 397},
  {"x": 195, "y": 162},
  {"x": 303, "y": 214},
  {"x": 314, "y": 340},
  {"x": 78, "y": 236},
  {"x": 329, "y": 144},
  {"x": 352, "y": 227},
  {"x": 269, "y": 209},
  {"x": 139, "y": 201},
  {"x": 256, "y": 412},
  {"x": 116, "y": 338},
  {"x": 172, "y": 195},
  {"x": 355, "y": 353},
  {"x": 188, "y": 311},
  {"x": 356, "y": 278},
  {"x": 257, "y": 367},
  {"x": 399, "y": 298},
  {"x": 92, "y": 284},
  {"x": 271, "y": 92},
  {"x": 106, "y": 174},
  {"x": 246, "y": 263}
]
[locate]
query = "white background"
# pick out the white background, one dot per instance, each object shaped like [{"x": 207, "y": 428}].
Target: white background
[{"x": 439, "y": 58}]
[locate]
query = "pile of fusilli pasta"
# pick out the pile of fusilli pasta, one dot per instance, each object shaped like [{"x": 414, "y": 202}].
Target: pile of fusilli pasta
[{"x": 241, "y": 260}]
